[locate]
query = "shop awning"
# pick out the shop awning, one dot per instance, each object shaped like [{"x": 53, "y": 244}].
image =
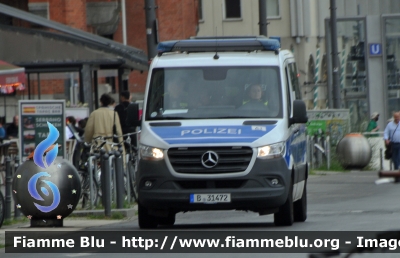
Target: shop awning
[{"x": 11, "y": 78}]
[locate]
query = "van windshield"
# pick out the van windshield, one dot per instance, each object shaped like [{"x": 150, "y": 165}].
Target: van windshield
[{"x": 214, "y": 92}]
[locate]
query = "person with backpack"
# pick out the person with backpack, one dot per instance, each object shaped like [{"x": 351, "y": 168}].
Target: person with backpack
[{"x": 123, "y": 108}]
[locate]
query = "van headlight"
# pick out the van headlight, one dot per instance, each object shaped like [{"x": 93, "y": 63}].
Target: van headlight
[
  {"x": 276, "y": 150},
  {"x": 151, "y": 153}
]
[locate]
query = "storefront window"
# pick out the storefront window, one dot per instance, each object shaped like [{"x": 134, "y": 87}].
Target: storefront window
[
  {"x": 353, "y": 76},
  {"x": 393, "y": 63}
]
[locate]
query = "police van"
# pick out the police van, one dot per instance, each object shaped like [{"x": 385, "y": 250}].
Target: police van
[{"x": 223, "y": 128}]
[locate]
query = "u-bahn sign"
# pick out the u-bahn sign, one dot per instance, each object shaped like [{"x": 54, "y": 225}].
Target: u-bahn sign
[{"x": 375, "y": 49}]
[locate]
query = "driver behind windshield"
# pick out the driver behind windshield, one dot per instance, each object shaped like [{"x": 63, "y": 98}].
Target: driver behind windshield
[
  {"x": 254, "y": 96},
  {"x": 175, "y": 96}
]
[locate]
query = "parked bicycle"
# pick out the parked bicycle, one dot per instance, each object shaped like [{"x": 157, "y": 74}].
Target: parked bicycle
[
  {"x": 93, "y": 149},
  {"x": 85, "y": 164},
  {"x": 131, "y": 161},
  {"x": 2, "y": 209}
]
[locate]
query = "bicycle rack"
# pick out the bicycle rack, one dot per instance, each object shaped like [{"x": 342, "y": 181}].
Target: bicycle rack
[
  {"x": 318, "y": 148},
  {"x": 17, "y": 212}
]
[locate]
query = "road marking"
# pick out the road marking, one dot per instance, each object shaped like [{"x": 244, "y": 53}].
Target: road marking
[{"x": 384, "y": 181}]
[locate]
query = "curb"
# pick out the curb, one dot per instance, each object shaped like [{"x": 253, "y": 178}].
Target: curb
[
  {"x": 331, "y": 172},
  {"x": 127, "y": 213}
]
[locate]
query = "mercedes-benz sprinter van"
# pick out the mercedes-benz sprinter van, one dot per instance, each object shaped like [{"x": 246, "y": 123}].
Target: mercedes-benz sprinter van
[{"x": 223, "y": 128}]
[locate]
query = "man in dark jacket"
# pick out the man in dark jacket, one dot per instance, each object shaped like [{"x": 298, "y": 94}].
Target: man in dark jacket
[
  {"x": 121, "y": 109},
  {"x": 12, "y": 129},
  {"x": 127, "y": 107}
]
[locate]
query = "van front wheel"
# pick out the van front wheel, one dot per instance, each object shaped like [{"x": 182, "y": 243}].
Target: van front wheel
[
  {"x": 300, "y": 206},
  {"x": 285, "y": 217},
  {"x": 145, "y": 219}
]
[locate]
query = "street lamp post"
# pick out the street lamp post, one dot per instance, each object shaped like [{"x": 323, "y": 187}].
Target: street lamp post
[
  {"x": 335, "y": 61},
  {"x": 262, "y": 9}
]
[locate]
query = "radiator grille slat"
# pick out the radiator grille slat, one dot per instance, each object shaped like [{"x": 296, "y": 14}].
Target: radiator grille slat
[{"x": 231, "y": 159}]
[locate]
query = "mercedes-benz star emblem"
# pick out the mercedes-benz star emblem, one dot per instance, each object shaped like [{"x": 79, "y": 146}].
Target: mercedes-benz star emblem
[{"x": 209, "y": 159}]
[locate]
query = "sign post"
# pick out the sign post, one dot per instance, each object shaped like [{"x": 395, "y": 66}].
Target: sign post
[{"x": 33, "y": 128}]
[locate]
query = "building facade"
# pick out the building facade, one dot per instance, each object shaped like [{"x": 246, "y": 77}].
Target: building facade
[
  {"x": 122, "y": 21},
  {"x": 368, "y": 47},
  {"x": 176, "y": 20}
]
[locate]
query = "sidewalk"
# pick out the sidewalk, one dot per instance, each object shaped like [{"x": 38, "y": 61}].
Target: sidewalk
[{"x": 77, "y": 221}]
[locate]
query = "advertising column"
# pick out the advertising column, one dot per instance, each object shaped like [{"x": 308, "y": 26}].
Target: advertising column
[{"x": 33, "y": 129}]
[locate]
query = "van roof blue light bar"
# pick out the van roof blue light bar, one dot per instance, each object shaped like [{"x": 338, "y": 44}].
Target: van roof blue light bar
[{"x": 219, "y": 44}]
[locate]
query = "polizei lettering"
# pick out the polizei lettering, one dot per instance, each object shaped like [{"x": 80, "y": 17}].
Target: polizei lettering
[{"x": 212, "y": 131}]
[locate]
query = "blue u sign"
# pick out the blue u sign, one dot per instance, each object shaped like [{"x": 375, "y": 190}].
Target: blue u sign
[{"x": 375, "y": 49}]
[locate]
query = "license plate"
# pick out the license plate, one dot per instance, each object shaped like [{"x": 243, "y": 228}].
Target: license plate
[{"x": 210, "y": 198}]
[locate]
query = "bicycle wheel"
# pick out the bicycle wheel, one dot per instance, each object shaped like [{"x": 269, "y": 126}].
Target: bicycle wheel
[
  {"x": 132, "y": 183},
  {"x": 2, "y": 209},
  {"x": 85, "y": 196}
]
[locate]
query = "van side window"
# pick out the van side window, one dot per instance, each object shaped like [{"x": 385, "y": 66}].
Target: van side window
[{"x": 294, "y": 79}]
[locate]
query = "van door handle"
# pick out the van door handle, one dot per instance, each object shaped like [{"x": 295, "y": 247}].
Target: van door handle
[{"x": 297, "y": 131}]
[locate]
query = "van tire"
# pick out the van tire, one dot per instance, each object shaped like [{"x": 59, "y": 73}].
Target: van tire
[
  {"x": 300, "y": 206},
  {"x": 285, "y": 217},
  {"x": 146, "y": 221}
]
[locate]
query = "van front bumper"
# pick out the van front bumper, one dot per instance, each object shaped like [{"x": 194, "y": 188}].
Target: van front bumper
[{"x": 253, "y": 191}]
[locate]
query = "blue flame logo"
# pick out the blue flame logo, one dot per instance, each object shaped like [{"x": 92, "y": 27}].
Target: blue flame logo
[
  {"x": 34, "y": 193},
  {"x": 42, "y": 147},
  {"x": 38, "y": 157}
]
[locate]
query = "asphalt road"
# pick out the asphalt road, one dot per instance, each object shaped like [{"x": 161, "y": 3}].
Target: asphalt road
[{"x": 336, "y": 202}]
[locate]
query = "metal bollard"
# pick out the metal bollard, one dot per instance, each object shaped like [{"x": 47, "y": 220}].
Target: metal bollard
[
  {"x": 8, "y": 188},
  {"x": 119, "y": 179},
  {"x": 91, "y": 167},
  {"x": 319, "y": 153},
  {"x": 17, "y": 212},
  {"x": 102, "y": 167},
  {"x": 328, "y": 152},
  {"x": 112, "y": 174},
  {"x": 106, "y": 184}
]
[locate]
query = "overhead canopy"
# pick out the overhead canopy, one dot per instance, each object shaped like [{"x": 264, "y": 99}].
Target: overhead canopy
[
  {"x": 11, "y": 78},
  {"x": 60, "y": 46},
  {"x": 11, "y": 74},
  {"x": 56, "y": 48}
]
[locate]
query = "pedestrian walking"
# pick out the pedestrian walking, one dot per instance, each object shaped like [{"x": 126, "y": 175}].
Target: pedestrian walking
[
  {"x": 391, "y": 136},
  {"x": 372, "y": 125},
  {"x": 99, "y": 123}
]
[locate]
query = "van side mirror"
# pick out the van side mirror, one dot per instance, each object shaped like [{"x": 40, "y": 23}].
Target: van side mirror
[{"x": 299, "y": 113}]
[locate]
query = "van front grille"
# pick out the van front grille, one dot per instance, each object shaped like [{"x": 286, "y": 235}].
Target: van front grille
[
  {"x": 214, "y": 184},
  {"x": 230, "y": 159}
]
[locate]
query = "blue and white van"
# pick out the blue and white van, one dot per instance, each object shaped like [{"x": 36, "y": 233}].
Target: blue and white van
[{"x": 223, "y": 128}]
